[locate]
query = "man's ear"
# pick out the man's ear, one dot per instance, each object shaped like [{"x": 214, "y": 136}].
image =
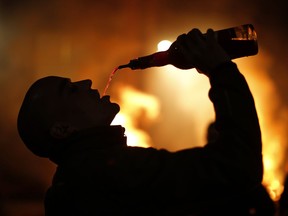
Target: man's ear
[{"x": 61, "y": 130}]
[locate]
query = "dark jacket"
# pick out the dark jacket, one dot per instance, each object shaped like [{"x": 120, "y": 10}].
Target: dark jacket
[{"x": 98, "y": 174}]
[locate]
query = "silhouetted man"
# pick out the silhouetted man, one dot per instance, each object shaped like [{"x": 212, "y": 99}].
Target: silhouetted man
[{"x": 98, "y": 174}]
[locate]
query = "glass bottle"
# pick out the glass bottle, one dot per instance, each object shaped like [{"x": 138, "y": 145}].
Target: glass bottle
[{"x": 239, "y": 41}]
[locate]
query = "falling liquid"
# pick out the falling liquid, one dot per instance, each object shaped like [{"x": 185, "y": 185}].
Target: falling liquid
[{"x": 109, "y": 80}]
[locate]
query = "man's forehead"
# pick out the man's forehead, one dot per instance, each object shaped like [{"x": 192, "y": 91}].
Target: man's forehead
[
  {"x": 52, "y": 82},
  {"x": 48, "y": 86}
]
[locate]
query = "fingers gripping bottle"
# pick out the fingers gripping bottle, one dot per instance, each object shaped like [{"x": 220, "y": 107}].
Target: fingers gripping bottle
[{"x": 239, "y": 41}]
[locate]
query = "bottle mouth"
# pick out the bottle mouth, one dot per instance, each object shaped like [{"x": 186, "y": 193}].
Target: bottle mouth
[
  {"x": 245, "y": 32},
  {"x": 123, "y": 66}
]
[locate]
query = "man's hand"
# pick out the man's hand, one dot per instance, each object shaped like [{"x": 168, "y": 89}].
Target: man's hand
[{"x": 202, "y": 51}]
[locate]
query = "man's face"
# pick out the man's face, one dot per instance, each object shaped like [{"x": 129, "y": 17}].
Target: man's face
[{"x": 78, "y": 104}]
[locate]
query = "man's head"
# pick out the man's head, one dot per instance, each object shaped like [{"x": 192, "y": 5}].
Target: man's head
[{"x": 54, "y": 108}]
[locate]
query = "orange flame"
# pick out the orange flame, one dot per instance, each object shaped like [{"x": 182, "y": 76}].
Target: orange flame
[
  {"x": 272, "y": 115},
  {"x": 133, "y": 104}
]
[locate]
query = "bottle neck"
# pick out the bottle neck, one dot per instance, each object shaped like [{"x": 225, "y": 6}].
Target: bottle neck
[{"x": 157, "y": 59}]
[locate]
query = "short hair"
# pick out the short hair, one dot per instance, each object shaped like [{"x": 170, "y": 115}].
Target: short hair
[{"x": 33, "y": 121}]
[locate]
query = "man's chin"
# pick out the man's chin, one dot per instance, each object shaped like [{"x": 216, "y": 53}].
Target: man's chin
[{"x": 116, "y": 110}]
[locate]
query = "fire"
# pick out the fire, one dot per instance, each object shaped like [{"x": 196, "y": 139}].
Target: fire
[
  {"x": 133, "y": 104},
  {"x": 272, "y": 117},
  {"x": 272, "y": 114}
]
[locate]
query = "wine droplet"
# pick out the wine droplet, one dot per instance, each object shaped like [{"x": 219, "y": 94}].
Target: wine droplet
[{"x": 109, "y": 80}]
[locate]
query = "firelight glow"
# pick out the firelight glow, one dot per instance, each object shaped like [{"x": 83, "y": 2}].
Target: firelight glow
[
  {"x": 163, "y": 45},
  {"x": 133, "y": 104},
  {"x": 189, "y": 90}
]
